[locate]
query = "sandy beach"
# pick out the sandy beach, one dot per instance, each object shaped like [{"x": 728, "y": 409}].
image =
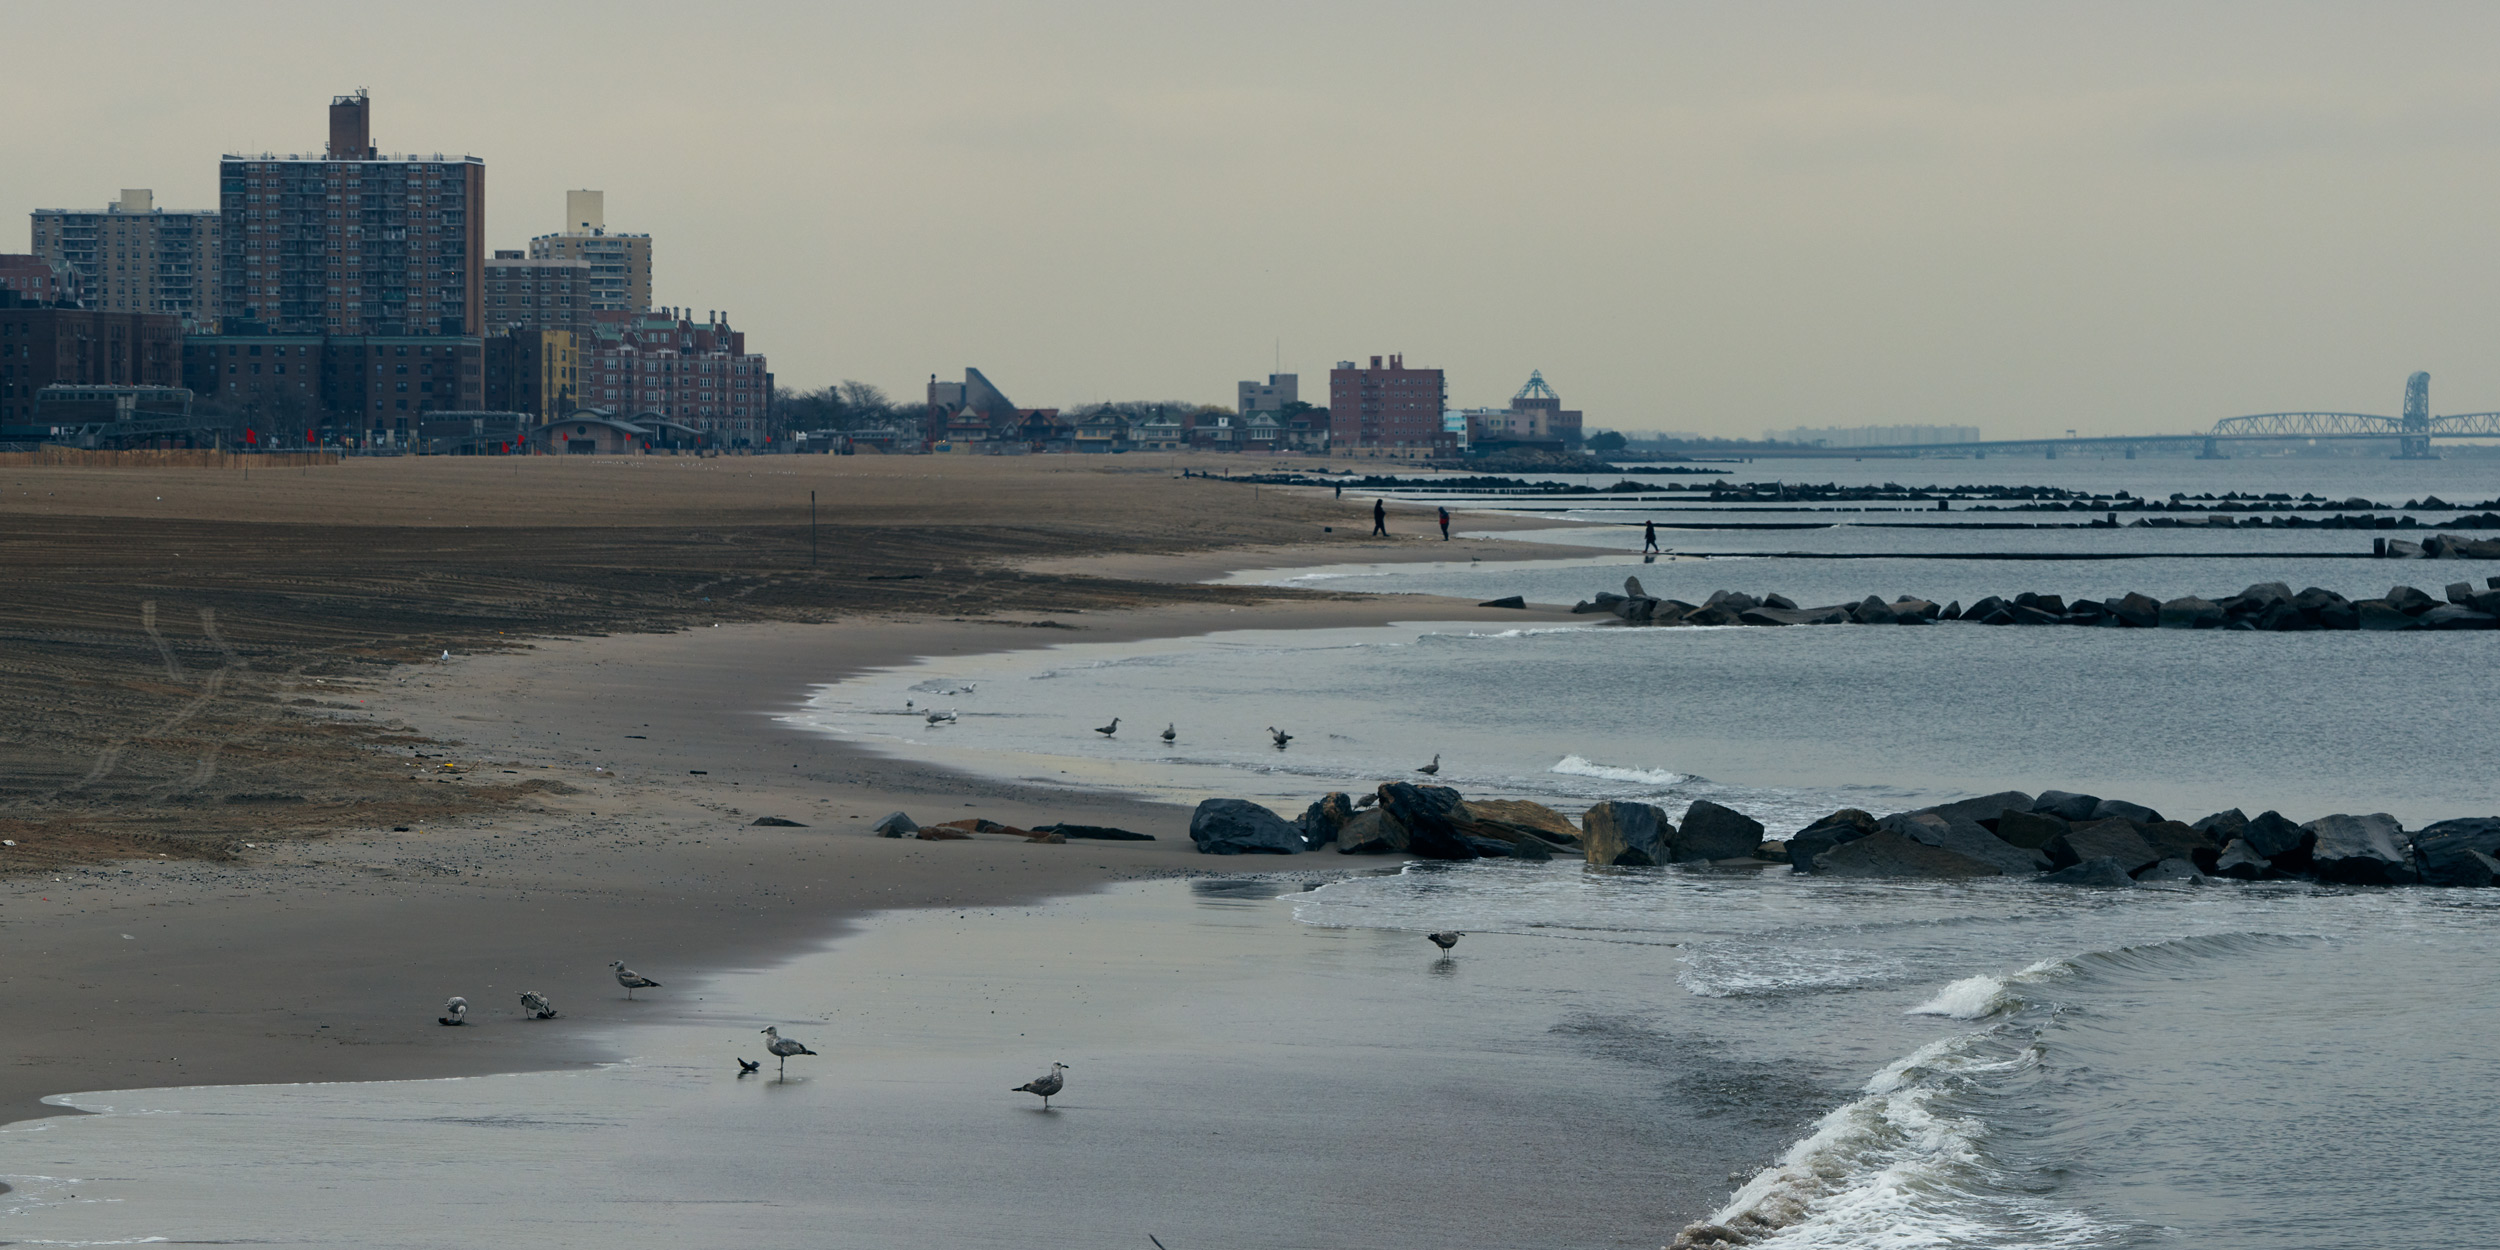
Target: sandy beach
[{"x": 262, "y": 844}]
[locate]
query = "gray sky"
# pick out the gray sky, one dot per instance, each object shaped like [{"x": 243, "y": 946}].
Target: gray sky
[{"x": 1721, "y": 218}]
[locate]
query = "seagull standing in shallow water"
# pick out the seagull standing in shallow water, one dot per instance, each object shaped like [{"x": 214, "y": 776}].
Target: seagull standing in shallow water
[
  {"x": 631, "y": 979},
  {"x": 537, "y": 1005},
  {"x": 1169, "y": 733},
  {"x": 1110, "y": 729},
  {"x": 1046, "y": 1085},
  {"x": 456, "y": 1012},
  {"x": 1432, "y": 769},
  {"x": 1445, "y": 940},
  {"x": 1279, "y": 736},
  {"x": 783, "y": 1047}
]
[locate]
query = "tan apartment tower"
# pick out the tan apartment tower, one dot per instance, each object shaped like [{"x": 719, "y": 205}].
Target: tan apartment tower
[
  {"x": 620, "y": 264},
  {"x": 351, "y": 241},
  {"x": 134, "y": 257}
]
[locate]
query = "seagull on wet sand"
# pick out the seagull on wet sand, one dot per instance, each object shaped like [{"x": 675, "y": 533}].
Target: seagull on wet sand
[
  {"x": 1110, "y": 729},
  {"x": 537, "y": 1005},
  {"x": 1432, "y": 769},
  {"x": 782, "y": 1047},
  {"x": 631, "y": 979},
  {"x": 1445, "y": 940},
  {"x": 940, "y": 718},
  {"x": 1047, "y": 1084},
  {"x": 749, "y": 1067},
  {"x": 455, "y": 1012},
  {"x": 1279, "y": 736},
  {"x": 1169, "y": 733}
]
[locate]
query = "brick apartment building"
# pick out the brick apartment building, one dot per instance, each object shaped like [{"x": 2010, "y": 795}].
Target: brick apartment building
[
  {"x": 525, "y": 294},
  {"x": 135, "y": 257},
  {"x": 350, "y": 242},
  {"x": 29, "y": 278},
  {"x": 372, "y": 388},
  {"x": 81, "y": 347},
  {"x": 620, "y": 264},
  {"x": 1388, "y": 410},
  {"x": 698, "y": 374}
]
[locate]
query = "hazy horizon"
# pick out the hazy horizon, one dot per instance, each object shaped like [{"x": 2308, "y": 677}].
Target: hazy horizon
[{"x": 1719, "y": 219}]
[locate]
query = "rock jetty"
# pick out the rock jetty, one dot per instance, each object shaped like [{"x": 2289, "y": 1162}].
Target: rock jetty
[
  {"x": 2265, "y": 606},
  {"x": 2055, "y": 836}
]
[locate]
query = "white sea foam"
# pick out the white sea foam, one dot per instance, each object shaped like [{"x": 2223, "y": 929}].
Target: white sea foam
[
  {"x": 1747, "y": 969},
  {"x": 1580, "y": 766},
  {"x": 1971, "y": 998}
]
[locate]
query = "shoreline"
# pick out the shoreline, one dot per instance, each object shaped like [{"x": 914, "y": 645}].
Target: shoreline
[{"x": 326, "y": 959}]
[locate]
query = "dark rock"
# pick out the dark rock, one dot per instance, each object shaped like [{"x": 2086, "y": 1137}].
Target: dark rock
[
  {"x": 1795, "y": 616},
  {"x": 2376, "y": 614},
  {"x": 1431, "y": 815},
  {"x": 1513, "y": 819},
  {"x": 2001, "y": 615},
  {"x": 2124, "y": 810},
  {"x": 2268, "y": 592},
  {"x": 1985, "y": 807},
  {"x": 1240, "y": 827},
  {"x": 1888, "y": 853},
  {"x": 1952, "y": 611},
  {"x": 2486, "y": 601},
  {"x": 1626, "y": 834},
  {"x": 1873, "y": 611},
  {"x": 1732, "y": 600},
  {"x": 777, "y": 822},
  {"x": 1632, "y": 589},
  {"x": 1922, "y": 609},
  {"x": 2104, "y": 874},
  {"x": 1782, "y": 602},
  {"x": 2473, "y": 868},
  {"x": 2051, "y": 604},
  {"x": 1371, "y": 833},
  {"x": 2453, "y": 852},
  {"x": 1711, "y": 614},
  {"x": 1710, "y": 831},
  {"x": 2171, "y": 839},
  {"x": 2283, "y": 618},
  {"x": 1490, "y": 848},
  {"x": 2029, "y": 829},
  {"x": 1604, "y": 602},
  {"x": 2139, "y": 611},
  {"x": 1529, "y": 848},
  {"x": 1983, "y": 608},
  {"x": 2033, "y": 616},
  {"x": 2172, "y": 871},
  {"x": 2223, "y": 826},
  {"x": 2102, "y": 839},
  {"x": 2066, "y": 806},
  {"x": 2450, "y": 616},
  {"x": 1964, "y": 837},
  {"x": 1506, "y": 601},
  {"x": 895, "y": 825},
  {"x": 2190, "y": 612},
  {"x": 1321, "y": 820},
  {"x": 2088, "y": 612},
  {"x": 2361, "y": 850},
  {"x": 1100, "y": 833},
  {"x": 2315, "y": 598},
  {"x": 2339, "y": 616},
  {"x": 1845, "y": 825},
  {"x": 2461, "y": 593},
  {"x": 2282, "y": 843},
  {"x": 2409, "y": 601},
  {"x": 2241, "y": 861}
]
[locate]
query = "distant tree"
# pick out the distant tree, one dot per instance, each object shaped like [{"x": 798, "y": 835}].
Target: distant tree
[{"x": 1606, "y": 440}]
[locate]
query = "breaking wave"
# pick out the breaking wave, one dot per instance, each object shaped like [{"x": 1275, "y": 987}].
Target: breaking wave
[{"x": 1580, "y": 766}]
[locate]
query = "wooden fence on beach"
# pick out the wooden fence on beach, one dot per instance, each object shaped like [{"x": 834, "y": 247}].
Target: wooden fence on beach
[{"x": 175, "y": 458}]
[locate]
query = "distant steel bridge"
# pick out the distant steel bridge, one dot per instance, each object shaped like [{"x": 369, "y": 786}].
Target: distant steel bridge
[{"x": 2412, "y": 432}]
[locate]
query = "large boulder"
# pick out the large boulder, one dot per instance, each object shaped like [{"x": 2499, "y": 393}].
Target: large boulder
[
  {"x": 2377, "y": 614},
  {"x": 2171, "y": 839},
  {"x": 1321, "y": 820},
  {"x": 2453, "y": 852},
  {"x": 2103, "y": 839},
  {"x": 894, "y": 825},
  {"x": 1710, "y": 832},
  {"x": 1371, "y": 832},
  {"x": 2137, "y": 611},
  {"x": 2450, "y": 616},
  {"x": 1097, "y": 833},
  {"x": 1240, "y": 827},
  {"x": 1889, "y": 853},
  {"x": 1431, "y": 816},
  {"x": 2066, "y": 806},
  {"x": 1985, "y": 807},
  {"x": 2409, "y": 601},
  {"x": 1625, "y": 834},
  {"x": 2241, "y": 861},
  {"x": 1509, "y": 819},
  {"x": 1846, "y": 825},
  {"x": 2104, "y": 873},
  {"x": 2282, "y": 843},
  {"x": 2190, "y": 612},
  {"x": 2030, "y": 829},
  {"x": 2223, "y": 826},
  {"x": 1767, "y": 615},
  {"x": 2361, "y": 850},
  {"x": 1965, "y": 837},
  {"x": 2124, "y": 810}
]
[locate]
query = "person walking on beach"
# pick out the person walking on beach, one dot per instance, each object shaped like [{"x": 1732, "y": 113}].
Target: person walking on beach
[
  {"x": 1380, "y": 518},
  {"x": 1649, "y": 537},
  {"x": 1445, "y": 525}
]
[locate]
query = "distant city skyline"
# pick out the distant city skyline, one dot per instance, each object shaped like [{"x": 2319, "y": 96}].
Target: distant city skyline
[{"x": 2122, "y": 218}]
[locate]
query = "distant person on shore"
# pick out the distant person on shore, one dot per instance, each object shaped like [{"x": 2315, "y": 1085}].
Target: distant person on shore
[
  {"x": 1649, "y": 536},
  {"x": 1445, "y": 525},
  {"x": 1380, "y": 518},
  {"x": 1340, "y": 490}
]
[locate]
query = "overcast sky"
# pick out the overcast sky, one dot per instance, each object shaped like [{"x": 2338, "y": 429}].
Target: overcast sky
[{"x": 1719, "y": 218}]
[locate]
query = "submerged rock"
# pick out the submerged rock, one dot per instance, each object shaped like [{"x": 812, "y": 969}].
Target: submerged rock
[
  {"x": 1891, "y": 853},
  {"x": 2103, "y": 873},
  {"x": 1240, "y": 827},
  {"x": 2172, "y": 871}
]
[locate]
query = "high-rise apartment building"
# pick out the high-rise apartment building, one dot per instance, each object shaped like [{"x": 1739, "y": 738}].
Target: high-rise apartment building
[
  {"x": 350, "y": 241},
  {"x": 697, "y": 374},
  {"x": 133, "y": 257},
  {"x": 1388, "y": 410},
  {"x": 40, "y": 347},
  {"x": 620, "y": 264},
  {"x": 525, "y": 294}
]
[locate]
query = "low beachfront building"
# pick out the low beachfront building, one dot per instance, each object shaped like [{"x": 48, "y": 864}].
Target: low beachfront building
[{"x": 589, "y": 433}]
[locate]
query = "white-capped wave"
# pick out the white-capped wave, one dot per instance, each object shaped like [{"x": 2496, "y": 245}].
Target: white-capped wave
[
  {"x": 1971, "y": 998},
  {"x": 1741, "y": 970},
  {"x": 1581, "y": 766}
]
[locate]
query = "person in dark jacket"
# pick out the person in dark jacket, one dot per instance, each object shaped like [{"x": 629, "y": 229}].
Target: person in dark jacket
[
  {"x": 1649, "y": 536},
  {"x": 1445, "y": 525},
  {"x": 1380, "y": 518}
]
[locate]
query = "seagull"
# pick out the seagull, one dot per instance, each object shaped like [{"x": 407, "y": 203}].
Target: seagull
[
  {"x": 447, "y": 656},
  {"x": 939, "y": 718},
  {"x": 1445, "y": 940},
  {"x": 1280, "y": 736},
  {"x": 906, "y": 707},
  {"x": 1046, "y": 1085},
  {"x": 1169, "y": 733},
  {"x": 783, "y": 1047},
  {"x": 1110, "y": 729},
  {"x": 631, "y": 979},
  {"x": 537, "y": 1005},
  {"x": 749, "y": 1067},
  {"x": 459, "y": 1012},
  {"x": 1432, "y": 769}
]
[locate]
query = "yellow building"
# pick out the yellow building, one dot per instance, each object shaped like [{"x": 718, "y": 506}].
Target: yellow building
[{"x": 533, "y": 371}]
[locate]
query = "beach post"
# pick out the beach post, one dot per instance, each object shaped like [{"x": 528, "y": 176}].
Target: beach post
[{"x": 811, "y": 529}]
